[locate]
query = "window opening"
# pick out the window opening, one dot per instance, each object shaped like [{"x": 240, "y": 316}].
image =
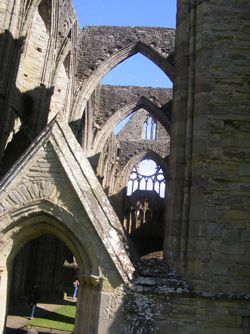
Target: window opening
[
  {"x": 146, "y": 175},
  {"x": 154, "y": 131},
  {"x": 122, "y": 123},
  {"x": 149, "y": 129},
  {"x": 144, "y": 135},
  {"x": 134, "y": 72}
]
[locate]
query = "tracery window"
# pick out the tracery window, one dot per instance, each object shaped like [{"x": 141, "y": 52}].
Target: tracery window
[
  {"x": 143, "y": 179},
  {"x": 149, "y": 129}
]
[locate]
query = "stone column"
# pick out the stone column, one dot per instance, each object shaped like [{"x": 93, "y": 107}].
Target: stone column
[
  {"x": 175, "y": 245},
  {"x": 3, "y": 298},
  {"x": 88, "y": 304}
]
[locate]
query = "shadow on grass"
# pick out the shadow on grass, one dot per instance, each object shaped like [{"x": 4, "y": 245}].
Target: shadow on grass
[
  {"x": 22, "y": 309},
  {"x": 56, "y": 317}
]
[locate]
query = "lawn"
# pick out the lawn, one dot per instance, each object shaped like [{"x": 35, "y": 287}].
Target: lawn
[{"x": 62, "y": 318}]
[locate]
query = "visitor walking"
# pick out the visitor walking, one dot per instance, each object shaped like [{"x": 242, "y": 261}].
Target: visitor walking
[
  {"x": 34, "y": 296},
  {"x": 75, "y": 286}
]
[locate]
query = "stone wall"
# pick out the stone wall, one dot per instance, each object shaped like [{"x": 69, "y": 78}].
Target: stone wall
[
  {"x": 48, "y": 65},
  {"x": 38, "y": 63},
  {"x": 207, "y": 236},
  {"x": 105, "y": 47},
  {"x": 109, "y": 105},
  {"x": 131, "y": 140},
  {"x": 114, "y": 98},
  {"x": 101, "y": 42},
  {"x": 117, "y": 157},
  {"x": 132, "y": 312}
]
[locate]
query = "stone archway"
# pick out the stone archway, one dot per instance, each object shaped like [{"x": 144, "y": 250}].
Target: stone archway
[
  {"x": 47, "y": 261},
  {"x": 120, "y": 114},
  {"x": 109, "y": 52},
  {"x": 143, "y": 155},
  {"x": 120, "y": 186},
  {"x": 36, "y": 220},
  {"x": 64, "y": 199},
  {"x": 144, "y": 208}
]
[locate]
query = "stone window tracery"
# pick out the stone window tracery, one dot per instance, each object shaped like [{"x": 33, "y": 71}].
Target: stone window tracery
[{"x": 152, "y": 180}]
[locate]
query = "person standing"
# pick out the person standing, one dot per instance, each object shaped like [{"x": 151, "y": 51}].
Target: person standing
[
  {"x": 34, "y": 296},
  {"x": 75, "y": 286}
]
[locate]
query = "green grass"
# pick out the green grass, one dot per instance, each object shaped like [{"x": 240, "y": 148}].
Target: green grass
[{"x": 62, "y": 318}]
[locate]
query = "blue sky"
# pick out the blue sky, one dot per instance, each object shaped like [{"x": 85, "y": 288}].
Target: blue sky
[
  {"x": 137, "y": 70},
  {"x": 157, "y": 13}
]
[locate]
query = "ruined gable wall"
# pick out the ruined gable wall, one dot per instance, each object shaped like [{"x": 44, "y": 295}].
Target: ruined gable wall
[
  {"x": 131, "y": 142},
  {"x": 134, "y": 129}
]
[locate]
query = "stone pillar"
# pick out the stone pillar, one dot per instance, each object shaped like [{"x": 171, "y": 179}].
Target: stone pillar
[
  {"x": 3, "y": 298},
  {"x": 88, "y": 304},
  {"x": 207, "y": 233},
  {"x": 175, "y": 246}
]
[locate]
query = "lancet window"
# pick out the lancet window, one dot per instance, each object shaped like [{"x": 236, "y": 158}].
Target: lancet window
[{"x": 149, "y": 129}]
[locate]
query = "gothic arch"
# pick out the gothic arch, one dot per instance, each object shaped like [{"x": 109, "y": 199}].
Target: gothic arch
[
  {"x": 24, "y": 13},
  {"x": 32, "y": 221},
  {"x": 62, "y": 54},
  {"x": 123, "y": 176},
  {"x": 36, "y": 219},
  {"x": 96, "y": 76},
  {"x": 119, "y": 115},
  {"x": 28, "y": 16},
  {"x": 66, "y": 203}
]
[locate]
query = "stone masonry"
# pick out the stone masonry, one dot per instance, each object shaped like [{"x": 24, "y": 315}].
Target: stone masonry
[{"x": 64, "y": 172}]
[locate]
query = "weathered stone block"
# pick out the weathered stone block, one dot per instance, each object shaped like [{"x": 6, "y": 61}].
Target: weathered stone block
[
  {"x": 233, "y": 248},
  {"x": 218, "y": 268},
  {"x": 214, "y": 229}
]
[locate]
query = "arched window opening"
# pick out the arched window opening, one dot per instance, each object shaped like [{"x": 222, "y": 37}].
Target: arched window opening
[
  {"x": 134, "y": 72},
  {"x": 147, "y": 175},
  {"x": 49, "y": 263},
  {"x": 154, "y": 131},
  {"x": 149, "y": 129},
  {"x": 122, "y": 123},
  {"x": 144, "y": 132}
]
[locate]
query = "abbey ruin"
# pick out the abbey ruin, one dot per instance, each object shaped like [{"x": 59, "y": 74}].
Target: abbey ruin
[{"x": 161, "y": 253}]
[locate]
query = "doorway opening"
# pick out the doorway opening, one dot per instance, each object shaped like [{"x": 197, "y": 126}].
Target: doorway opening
[{"x": 47, "y": 262}]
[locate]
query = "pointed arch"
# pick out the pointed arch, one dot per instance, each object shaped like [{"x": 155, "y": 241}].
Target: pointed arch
[
  {"x": 28, "y": 16},
  {"x": 94, "y": 79},
  {"x": 120, "y": 114},
  {"x": 34, "y": 220},
  {"x": 24, "y": 13},
  {"x": 143, "y": 155},
  {"x": 62, "y": 54},
  {"x": 68, "y": 208}
]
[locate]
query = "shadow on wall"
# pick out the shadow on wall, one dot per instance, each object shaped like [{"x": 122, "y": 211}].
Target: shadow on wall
[{"x": 22, "y": 115}]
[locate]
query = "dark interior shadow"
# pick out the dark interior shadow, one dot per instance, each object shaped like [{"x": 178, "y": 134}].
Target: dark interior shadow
[
  {"x": 30, "y": 107},
  {"x": 22, "y": 309}
]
